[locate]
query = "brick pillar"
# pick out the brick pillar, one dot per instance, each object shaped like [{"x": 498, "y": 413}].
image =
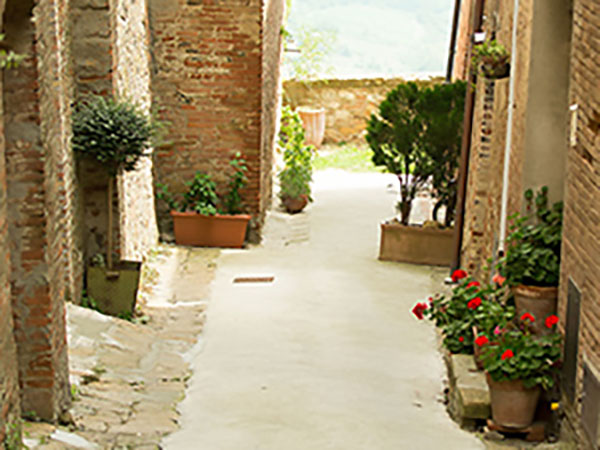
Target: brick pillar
[{"x": 40, "y": 257}]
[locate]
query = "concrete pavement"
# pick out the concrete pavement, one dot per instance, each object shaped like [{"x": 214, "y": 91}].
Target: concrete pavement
[{"x": 327, "y": 356}]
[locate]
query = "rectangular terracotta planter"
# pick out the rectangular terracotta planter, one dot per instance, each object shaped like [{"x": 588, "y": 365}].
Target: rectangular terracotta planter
[
  {"x": 416, "y": 245},
  {"x": 197, "y": 230},
  {"x": 114, "y": 291}
]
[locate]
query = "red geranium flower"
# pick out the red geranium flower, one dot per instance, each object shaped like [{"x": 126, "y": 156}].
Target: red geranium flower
[
  {"x": 418, "y": 310},
  {"x": 473, "y": 284},
  {"x": 528, "y": 316},
  {"x": 474, "y": 303},
  {"x": 458, "y": 275},
  {"x": 499, "y": 279},
  {"x": 551, "y": 321},
  {"x": 507, "y": 355},
  {"x": 461, "y": 339},
  {"x": 481, "y": 340}
]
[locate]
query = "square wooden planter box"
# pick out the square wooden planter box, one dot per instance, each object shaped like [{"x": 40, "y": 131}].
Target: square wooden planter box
[{"x": 416, "y": 245}]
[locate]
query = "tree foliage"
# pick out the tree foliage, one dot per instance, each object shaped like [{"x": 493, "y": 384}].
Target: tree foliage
[
  {"x": 115, "y": 133},
  {"x": 416, "y": 135}
]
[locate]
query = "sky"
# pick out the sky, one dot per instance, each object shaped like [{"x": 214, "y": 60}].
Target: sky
[{"x": 380, "y": 37}]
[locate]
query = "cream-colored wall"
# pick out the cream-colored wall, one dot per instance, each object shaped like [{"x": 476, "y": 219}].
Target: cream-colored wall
[{"x": 546, "y": 131}]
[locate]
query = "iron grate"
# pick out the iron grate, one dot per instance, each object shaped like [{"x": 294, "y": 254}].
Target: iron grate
[
  {"x": 569, "y": 376},
  {"x": 590, "y": 415}
]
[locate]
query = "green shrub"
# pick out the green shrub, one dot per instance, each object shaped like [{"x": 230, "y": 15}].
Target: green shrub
[
  {"x": 296, "y": 176},
  {"x": 114, "y": 133},
  {"x": 416, "y": 135}
]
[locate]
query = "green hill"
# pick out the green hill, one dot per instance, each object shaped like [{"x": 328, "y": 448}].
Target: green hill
[{"x": 380, "y": 37}]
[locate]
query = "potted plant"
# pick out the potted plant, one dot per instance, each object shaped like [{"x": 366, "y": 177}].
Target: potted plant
[
  {"x": 491, "y": 59},
  {"x": 416, "y": 136},
  {"x": 531, "y": 263},
  {"x": 201, "y": 219},
  {"x": 518, "y": 367},
  {"x": 116, "y": 135},
  {"x": 296, "y": 175}
]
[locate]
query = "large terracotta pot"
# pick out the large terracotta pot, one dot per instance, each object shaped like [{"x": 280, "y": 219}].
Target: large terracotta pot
[
  {"x": 538, "y": 301},
  {"x": 210, "y": 231},
  {"x": 513, "y": 406},
  {"x": 294, "y": 205},
  {"x": 313, "y": 121},
  {"x": 415, "y": 244}
]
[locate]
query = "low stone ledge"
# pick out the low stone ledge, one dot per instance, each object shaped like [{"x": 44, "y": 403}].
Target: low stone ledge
[{"x": 468, "y": 396}]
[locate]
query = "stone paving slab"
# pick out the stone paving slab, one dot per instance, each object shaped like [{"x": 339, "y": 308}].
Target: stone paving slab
[{"x": 127, "y": 378}]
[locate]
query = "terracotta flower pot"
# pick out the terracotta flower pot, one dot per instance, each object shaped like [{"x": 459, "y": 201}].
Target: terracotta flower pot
[
  {"x": 197, "y": 230},
  {"x": 513, "y": 405},
  {"x": 294, "y": 205},
  {"x": 538, "y": 301},
  {"x": 313, "y": 121}
]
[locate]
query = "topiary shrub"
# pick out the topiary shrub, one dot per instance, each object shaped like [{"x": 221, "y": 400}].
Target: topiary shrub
[{"x": 116, "y": 135}]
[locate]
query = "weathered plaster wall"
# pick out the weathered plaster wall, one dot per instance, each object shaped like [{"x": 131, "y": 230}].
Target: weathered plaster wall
[
  {"x": 206, "y": 82},
  {"x": 581, "y": 232},
  {"x": 272, "y": 51},
  {"x": 131, "y": 61},
  {"x": 348, "y": 104}
]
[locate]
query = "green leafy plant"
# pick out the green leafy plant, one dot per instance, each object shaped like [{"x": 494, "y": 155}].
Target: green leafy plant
[
  {"x": 8, "y": 58},
  {"x": 116, "y": 134},
  {"x": 489, "y": 57},
  {"x": 12, "y": 435},
  {"x": 89, "y": 302},
  {"x": 233, "y": 199},
  {"x": 517, "y": 354},
  {"x": 469, "y": 305},
  {"x": 201, "y": 195},
  {"x": 416, "y": 135},
  {"x": 533, "y": 247},
  {"x": 296, "y": 176}
]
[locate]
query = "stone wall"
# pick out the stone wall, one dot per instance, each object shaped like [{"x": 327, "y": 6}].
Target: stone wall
[
  {"x": 111, "y": 53},
  {"x": 206, "y": 83},
  {"x": 39, "y": 176},
  {"x": 9, "y": 383},
  {"x": 348, "y": 104},
  {"x": 272, "y": 51},
  {"x": 131, "y": 56},
  {"x": 581, "y": 233}
]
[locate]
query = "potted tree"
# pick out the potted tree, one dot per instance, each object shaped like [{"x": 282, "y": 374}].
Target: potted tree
[
  {"x": 116, "y": 135},
  {"x": 415, "y": 135},
  {"x": 201, "y": 219},
  {"x": 531, "y": 264},
  {"x": 491, "y": 59},
  {"x": 296, "y": 176},
  {"x": 518, "y": 367}
]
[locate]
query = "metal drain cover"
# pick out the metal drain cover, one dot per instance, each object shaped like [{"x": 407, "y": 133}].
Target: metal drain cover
[{"x": 254, "y": 279}]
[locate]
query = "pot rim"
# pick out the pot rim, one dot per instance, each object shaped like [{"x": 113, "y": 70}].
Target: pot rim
[
  {"x": 216, "y": 216},
  {"x": 536, "y": 291}
]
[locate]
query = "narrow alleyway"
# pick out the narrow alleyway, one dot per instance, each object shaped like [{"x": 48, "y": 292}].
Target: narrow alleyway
[{"x": 328, "y": 355}]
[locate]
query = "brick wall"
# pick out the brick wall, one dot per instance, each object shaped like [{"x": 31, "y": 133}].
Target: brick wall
[
  {"x": 486, "y": 165},
  {"x": 581, "y": 242},
  {"x": 39, "y": 176},
  {"x": 348, "y": 104},
  {"x": 9, "y": 387},
  {"x": 206, "y": 82},
  {"x": 272, "y": 51},
  {"x": 131, "y": 79}
]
